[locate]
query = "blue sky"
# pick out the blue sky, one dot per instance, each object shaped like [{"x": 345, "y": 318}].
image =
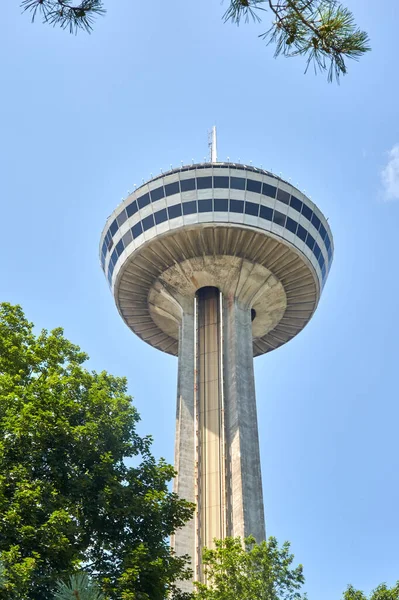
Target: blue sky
[{"x": 85, "y": 118}]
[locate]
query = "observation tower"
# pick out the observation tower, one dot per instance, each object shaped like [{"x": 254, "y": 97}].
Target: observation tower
[{"x": 217, "y": 263}]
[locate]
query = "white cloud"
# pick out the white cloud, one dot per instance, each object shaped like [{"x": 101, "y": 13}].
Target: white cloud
[{"x": 390, "y": 174}]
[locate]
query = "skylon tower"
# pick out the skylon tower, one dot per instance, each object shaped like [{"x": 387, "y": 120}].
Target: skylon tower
[{"x": 217, "y": 263}]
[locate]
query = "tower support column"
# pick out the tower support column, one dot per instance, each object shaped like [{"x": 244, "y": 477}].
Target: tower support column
[
  {"x": 184, "y": 541},
  {"x": 245, "y": 513}
]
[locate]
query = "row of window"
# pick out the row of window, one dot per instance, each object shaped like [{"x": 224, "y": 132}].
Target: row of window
[
  {"x": 218, "y": 182},
  {"x": 228, "y": 165},
  {"x": 222, "y": 182},
  {"x": 216, "y": 204}
]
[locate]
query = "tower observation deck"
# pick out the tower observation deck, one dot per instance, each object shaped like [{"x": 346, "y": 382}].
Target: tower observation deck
[{"x": 217, "y": 263}]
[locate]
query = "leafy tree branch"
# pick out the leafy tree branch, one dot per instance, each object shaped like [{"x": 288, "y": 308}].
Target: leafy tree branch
[{"x": 382, "y": 592}]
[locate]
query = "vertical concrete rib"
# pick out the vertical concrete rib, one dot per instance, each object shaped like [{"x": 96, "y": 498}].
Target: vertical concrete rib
[
  {"x": 245, "y": 513},
  {"x": 184, "y": 540}
]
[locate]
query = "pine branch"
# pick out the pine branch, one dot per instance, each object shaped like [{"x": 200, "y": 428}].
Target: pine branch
[
  {"x": 79, "y": 587},
  {"x": 65, "y": 14},
  {"x": 243, "y": 9},
  {"x": 322, "y": 30}
]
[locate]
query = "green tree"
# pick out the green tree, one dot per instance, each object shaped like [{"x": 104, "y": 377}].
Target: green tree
[
  {"x": 250, "y": 572},
  {"x": 323, "y": 31},
  {"x": 67, "y": 497},
  {"x": 382, "y": 592}
]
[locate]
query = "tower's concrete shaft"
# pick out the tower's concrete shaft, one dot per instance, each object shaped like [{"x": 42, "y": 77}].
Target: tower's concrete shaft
[{"x": 217, "y": 448}]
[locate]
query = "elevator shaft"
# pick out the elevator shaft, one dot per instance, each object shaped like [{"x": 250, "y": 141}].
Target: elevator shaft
[{"x": 211, "y": 521}]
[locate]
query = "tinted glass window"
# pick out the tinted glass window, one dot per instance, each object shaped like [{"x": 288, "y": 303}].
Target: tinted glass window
[
  {"x": 291, "y": 225},
  {"x": 330, "y": 253},
  {"x": 132, "y": 208},
  {"x": 127, "y": 238},
  {"x": 317, "y": 250},
  {"x": 221, "y": 204},
  {"x": 114, "y": 256},
  {"x": 172, "y": 188},
  {"x": 283, "y": 196},
  {"x": 301, "y": 232},
  {"x": 203, "y": 183},
  {"x": 148, "y": 222},
  {"x": 205, "y": 205},
  {"x": 320, "y": 260},
  {"x": 310, "y": 241},
  {"x": 104, "y": 247},
  {"x": 269, "y": 190},
  {"x": 327, "y": 242},
  {"x": 251, "y": 208},
  {"x": 121, "y": 218},
  {"x": 187, "y": 184},
  {"x": 157, "y": 194},
  {"x": 220, "y": 182},
  {"x": 306, "y": 211},
  {"x": 322, "y": 231},
  {"x": 254, "y": 186},
  {"x": 137, "y": 230},
  {"x": 237, "y": 183},
  {"x": 237, "y": 205},
  {"x": 103, "y": 261},
  {"x": 174, "y": 211},
  {"x": 108, "y": 237},
  {"x": 161, "y": 216},
  {"x": 143, "y": 200},
  {"x": 189, "y": 207},
  {"x": 296, "y": 203},
  {"x": 323, "y": 271},
  {"x": 266, "y": 213},
  {"x": 316, "y": 221},
  {"x": 119, "y": 247},
  {"x": 114, "y": 227},
  {"x": 278, "y": 218},
  {"x": 111, "y": 243}
]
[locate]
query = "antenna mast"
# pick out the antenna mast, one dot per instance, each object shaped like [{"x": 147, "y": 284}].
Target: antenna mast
[{"x": 213, "y": 145}]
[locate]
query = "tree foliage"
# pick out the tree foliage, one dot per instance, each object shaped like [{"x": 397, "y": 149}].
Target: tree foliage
[
  {"x": 79, "y": 587},
  {"x": 66, "y": 13},
  {"x": 67, "y": 497},
  {"x": 323, "y": 31},
  {"x": 250, "y": 571},
  {"x": 382, "y": 592}
]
